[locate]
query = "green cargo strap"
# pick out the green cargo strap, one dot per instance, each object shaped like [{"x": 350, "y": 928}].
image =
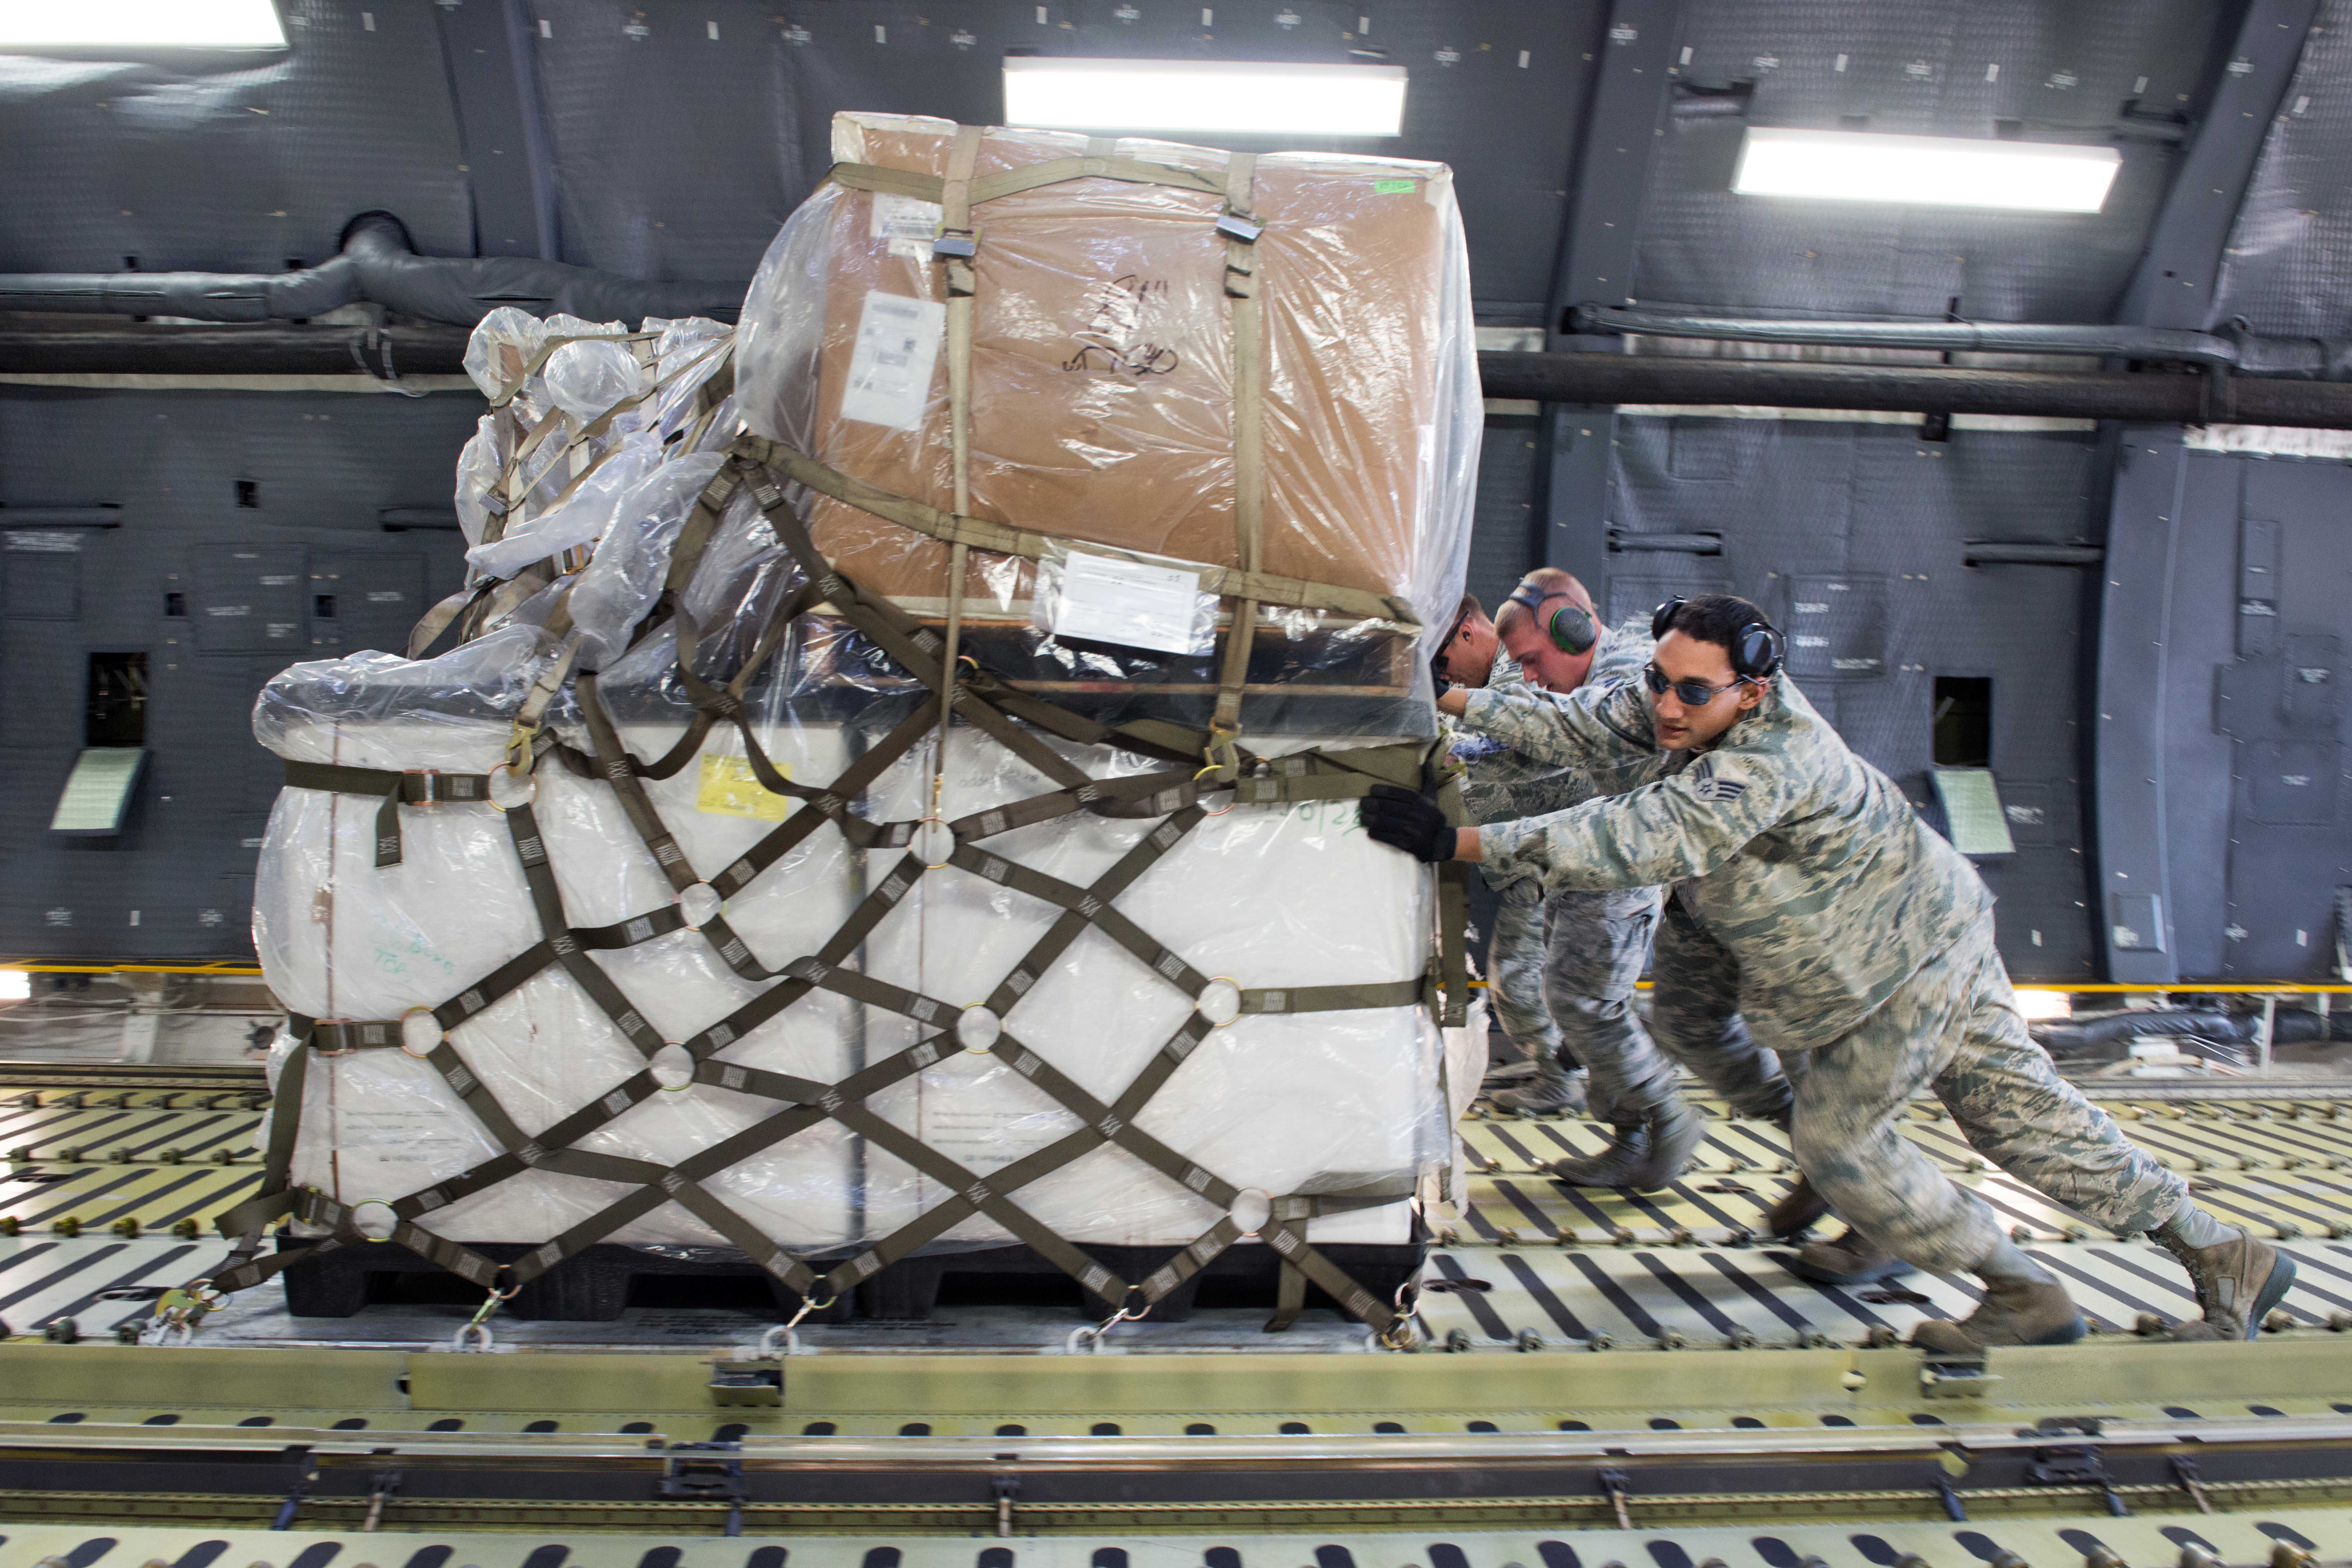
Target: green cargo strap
[
  {"x": 959, "y": 280},
  {"x": 1453, "y": 916},
  {"x": 246, "y": 1224},
  {"x": 513, "y": 486},
  {"x": 1287, "y": 1221},
  {"x": 1006, "y": 540},
  {"x": 620, "y": 771},
  {"x": 1242, "y": 289},
  {"x": 438, "y": 619},
  {"x": 415, "y": 786},
  {"x": 522, "y": 747},
  {"x": 713, "y": 703},
  {"x": 1028, "y": 177}
]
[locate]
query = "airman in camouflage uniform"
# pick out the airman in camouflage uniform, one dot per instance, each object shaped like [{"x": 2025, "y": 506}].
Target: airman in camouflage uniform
[
  {"x": 1493, "y": 775},
  {"x": 1563, "y": 968},
  {"x": 1595, "y": 946},
  {"x": 1861, "y": 939}
]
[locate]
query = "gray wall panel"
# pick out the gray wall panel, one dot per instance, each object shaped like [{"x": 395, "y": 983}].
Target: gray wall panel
[
  {"x": 2289, "y": 845},
  {"x": 2241, "y": 751},
  {"x": 2284, "y": 266},
  {"x": 238, "y": 167},
  {"x": 1916, "y": 70},
  {"x": 1804, "y": 504},
  {"x": 322, "y": 467},
  {"x": 2198, "y": 760},
  {"x": 1502, "y": 534}
]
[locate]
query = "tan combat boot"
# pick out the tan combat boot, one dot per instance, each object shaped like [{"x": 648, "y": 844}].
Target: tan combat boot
[{"x": 2014, "y": 1311}]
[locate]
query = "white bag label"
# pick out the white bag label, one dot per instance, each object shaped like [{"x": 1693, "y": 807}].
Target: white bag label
[
  {"x": 908, "y": 223},
  {"x": 890, "y": 369},
  {"x": 1105, "y": 599},
  {"x": 904, "y": 217}
]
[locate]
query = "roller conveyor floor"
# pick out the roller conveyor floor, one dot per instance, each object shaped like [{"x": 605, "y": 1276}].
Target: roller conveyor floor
[
  {"x": 113, "y": 1189},
  {"x": 1787, "y": 1424}
]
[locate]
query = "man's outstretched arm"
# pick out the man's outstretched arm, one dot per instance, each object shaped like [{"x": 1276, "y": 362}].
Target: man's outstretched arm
[
  {"x": 1682, "y": 826},
  {"x": 1595, "y": 726}
]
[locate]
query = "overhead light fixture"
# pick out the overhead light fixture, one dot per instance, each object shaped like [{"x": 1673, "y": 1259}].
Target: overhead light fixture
[
  {"x": 1924, "y": 171},
  {"x": 1204, "y": 97},
  {"x": 140, "y": 24}
]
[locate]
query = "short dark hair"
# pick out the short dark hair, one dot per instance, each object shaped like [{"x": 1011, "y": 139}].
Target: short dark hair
[
  {"x": 1714, "y": 617},
  {"x": 1468, "y": 607}
]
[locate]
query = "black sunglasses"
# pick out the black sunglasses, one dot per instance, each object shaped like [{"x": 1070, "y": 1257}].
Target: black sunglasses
[{"x": 1692, "y": 693}]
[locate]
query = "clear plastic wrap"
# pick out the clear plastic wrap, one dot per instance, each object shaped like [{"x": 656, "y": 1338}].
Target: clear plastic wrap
[
  {"x": 479, "y": 466},
  {"x": 574, "y": 485},
  {"x": 624, "y": 576},
  {"x": 587, "y": 378},
  {"x": 504, "y": 344},
  {"x": 1103, "y": 402},
  {"x": 581, "y": 518}
]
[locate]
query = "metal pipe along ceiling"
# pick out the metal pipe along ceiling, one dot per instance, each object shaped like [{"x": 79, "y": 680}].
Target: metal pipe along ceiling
[
  {"x": 377, "y": 265},
  {"x": 2325, "y": 359},
  {"x": 2147, "y": 398},
  {"x": 1565, "y": 378}
]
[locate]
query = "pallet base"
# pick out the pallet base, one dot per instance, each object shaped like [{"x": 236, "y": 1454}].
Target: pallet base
[{"x": 595, "y": 1285}]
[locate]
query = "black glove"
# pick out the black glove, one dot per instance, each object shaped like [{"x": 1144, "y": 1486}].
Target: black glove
[
  {"x": 1438, "y": 677},
  {"x": 1403, "y": 820}
]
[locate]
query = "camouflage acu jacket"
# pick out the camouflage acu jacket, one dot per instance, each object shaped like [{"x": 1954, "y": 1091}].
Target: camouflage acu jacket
[
  {"x": 1502, "y": 783},
  {"x": 1802, "y": 860}
]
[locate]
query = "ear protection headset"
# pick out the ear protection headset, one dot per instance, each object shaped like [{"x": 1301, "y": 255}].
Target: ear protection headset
[
  {"x": 1756, "y": 651},
  {"x": 1570, "y": 626}
]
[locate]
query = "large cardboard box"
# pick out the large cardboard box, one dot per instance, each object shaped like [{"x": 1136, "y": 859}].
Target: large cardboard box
[{"x": 1102, "y": 360}]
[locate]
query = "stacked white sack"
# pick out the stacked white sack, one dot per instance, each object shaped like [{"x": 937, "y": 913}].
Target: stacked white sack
[{"x": 1273, "y": 896}]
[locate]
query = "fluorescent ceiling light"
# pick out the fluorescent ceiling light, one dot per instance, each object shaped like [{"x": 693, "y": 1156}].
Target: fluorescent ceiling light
[
  {"x": 1924, "y": 171},
  {"x": 1204, "y": 97},
  {"x": 140, "y": 24}
]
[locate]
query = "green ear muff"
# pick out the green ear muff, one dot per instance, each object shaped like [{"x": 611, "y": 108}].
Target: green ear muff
[{"x": 1571, "y": 628}]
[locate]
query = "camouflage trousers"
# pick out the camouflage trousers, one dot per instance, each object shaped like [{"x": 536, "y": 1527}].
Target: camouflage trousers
[
  {"x": 1954, "y": 1028},
  {"x": 1515, "y": 967},
  {"x": 1695, "y": 1019},
  {"x": 1595, "y": 947}
]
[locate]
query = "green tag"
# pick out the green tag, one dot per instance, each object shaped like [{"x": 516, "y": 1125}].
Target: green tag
[{"x": 1391, "y": 187}]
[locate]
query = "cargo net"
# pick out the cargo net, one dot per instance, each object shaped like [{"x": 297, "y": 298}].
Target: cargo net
[{"x": 993, "y": 709}]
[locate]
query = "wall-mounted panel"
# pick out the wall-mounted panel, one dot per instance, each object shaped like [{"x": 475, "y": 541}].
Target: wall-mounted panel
[
  {"x": 254, "y": 504},
  {"x": 40, "y": 574},
  {"x": 2231, "y": 723},
  {"x": 1854, "y": 534},
  {"x": 2289, "y": 842}
]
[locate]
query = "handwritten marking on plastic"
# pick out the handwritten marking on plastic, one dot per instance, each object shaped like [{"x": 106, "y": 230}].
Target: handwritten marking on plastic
[{"x": 1112, "y": 339}]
